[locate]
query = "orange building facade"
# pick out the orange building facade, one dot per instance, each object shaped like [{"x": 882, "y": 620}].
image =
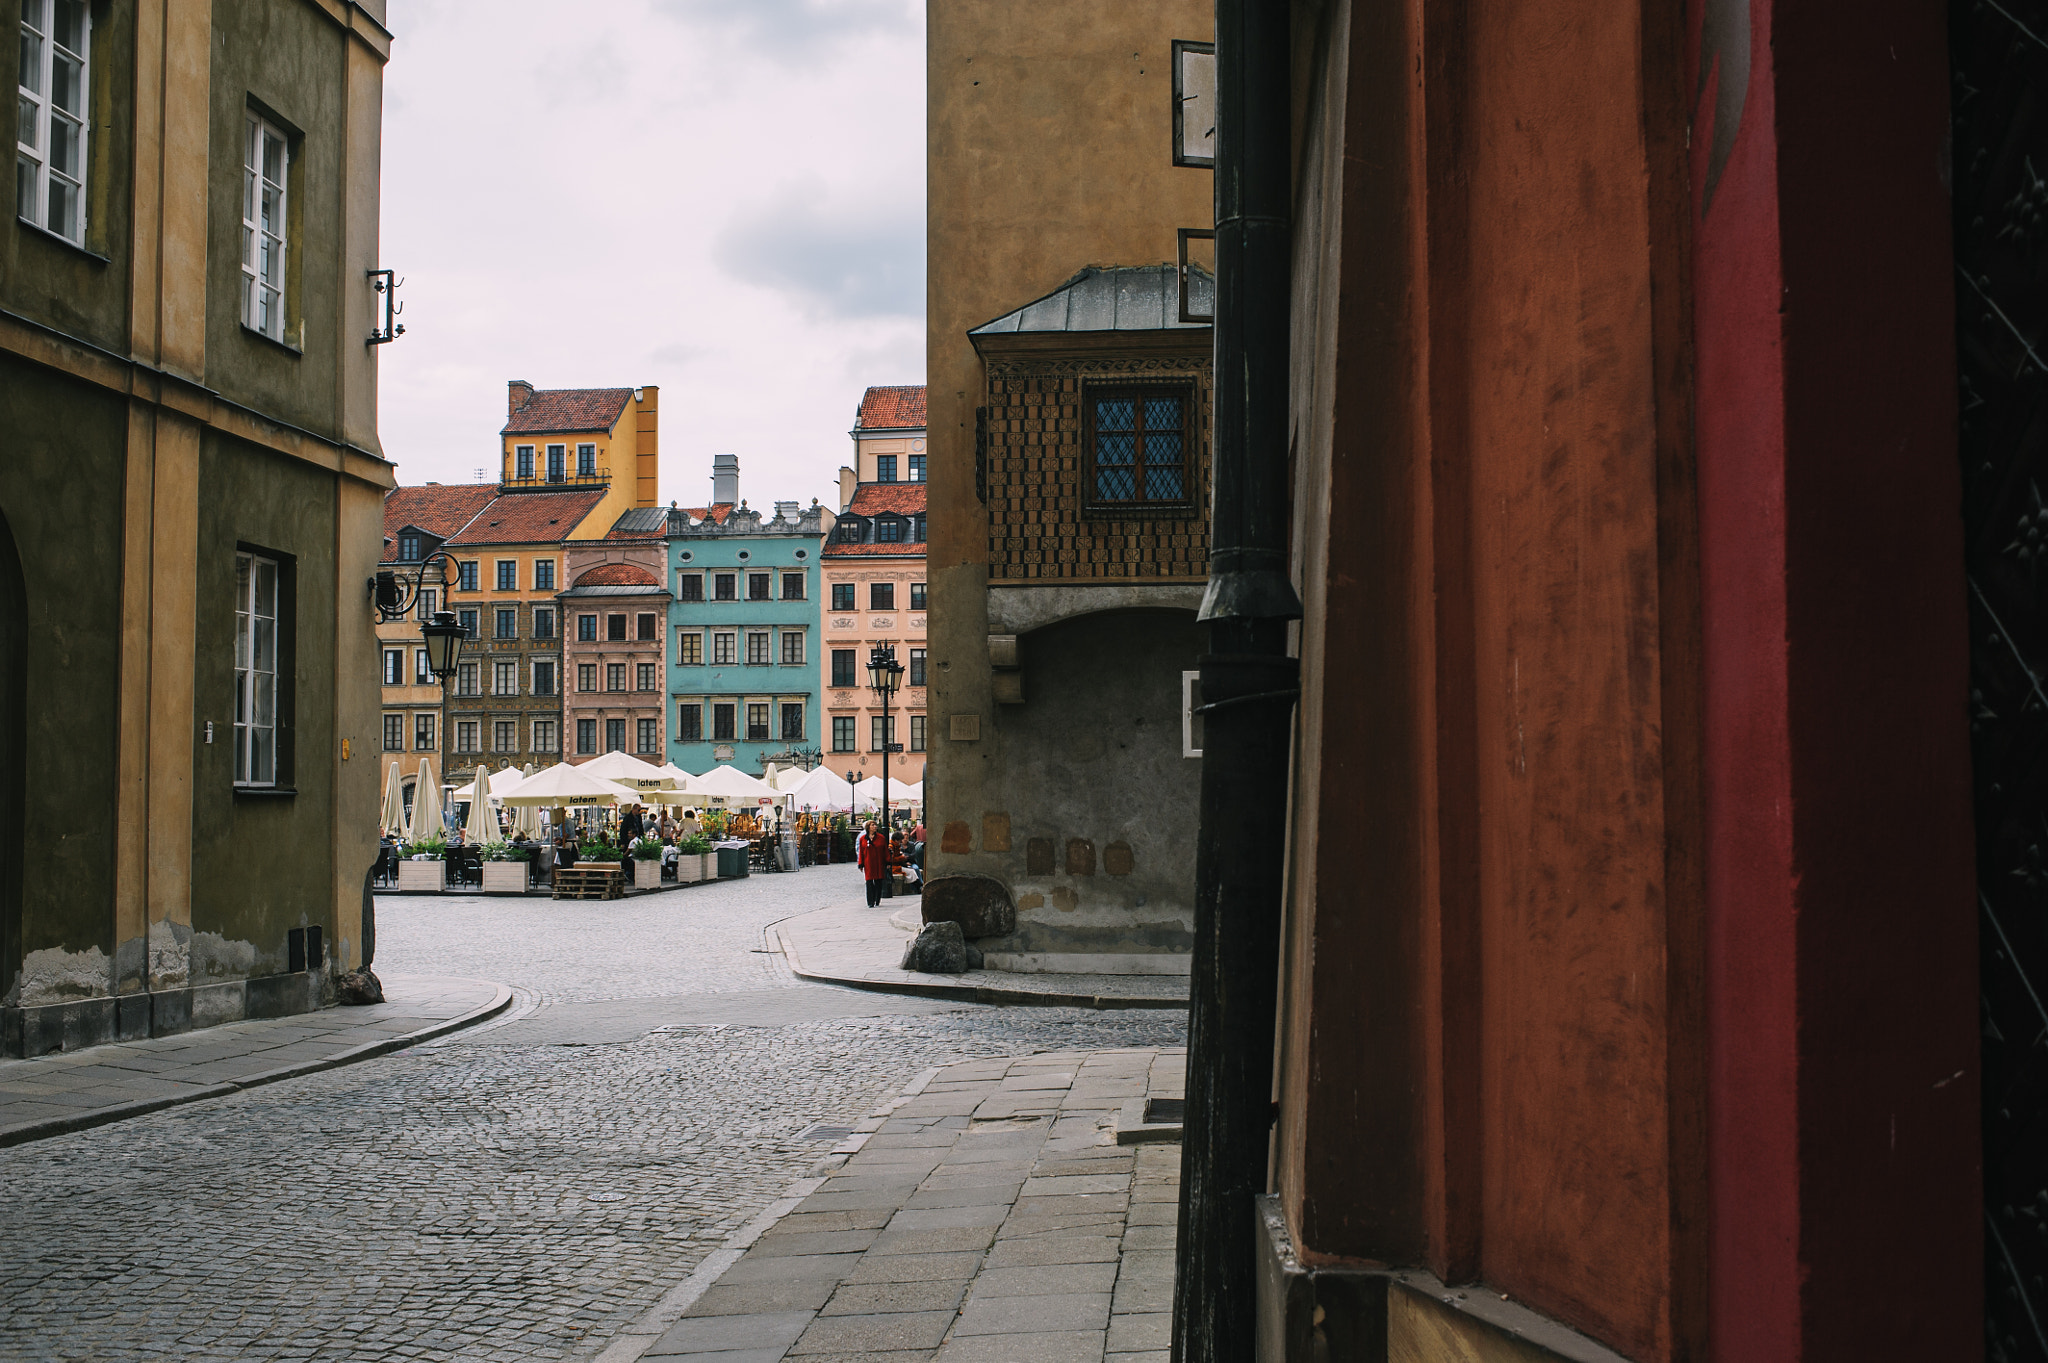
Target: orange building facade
[{"x": 874, "y": 585}]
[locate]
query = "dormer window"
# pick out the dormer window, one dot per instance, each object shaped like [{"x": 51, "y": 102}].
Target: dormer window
[
  {"x": 917, "y": 528},
  {"x": 889, "y": 530},
  {"x": 409, "y": 547},
  {"x": 848, "y": 530},
  {"x": 586, "y": 461}
]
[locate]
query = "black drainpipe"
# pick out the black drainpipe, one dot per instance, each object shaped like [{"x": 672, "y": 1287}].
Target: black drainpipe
[{"x": 1249, "y": 686}]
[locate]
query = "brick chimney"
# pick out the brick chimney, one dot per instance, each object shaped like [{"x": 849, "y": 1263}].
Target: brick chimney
[{"x": 517, "y": 394}]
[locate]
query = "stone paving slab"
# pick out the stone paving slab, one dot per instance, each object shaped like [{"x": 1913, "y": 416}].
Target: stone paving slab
[
  {"x": 852, "y": 944},
  {"x": 49, "y": 1095},
  {"x": 1046, "y": 1262}
]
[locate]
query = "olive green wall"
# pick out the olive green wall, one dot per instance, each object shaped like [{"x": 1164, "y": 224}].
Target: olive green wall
[
  {"x": 261, "y": 864},
  {"x": 62, "y": 450},
  {"x": 41, "y": 276},
  {"x": 290, "y": 59}
]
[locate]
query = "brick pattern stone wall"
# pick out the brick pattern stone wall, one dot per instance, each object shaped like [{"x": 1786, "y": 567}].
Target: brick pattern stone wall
[{"x": 1035, "y": 466}]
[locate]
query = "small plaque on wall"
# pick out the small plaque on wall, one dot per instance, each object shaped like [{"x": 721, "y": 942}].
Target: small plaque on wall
[{"x": 966, "y": 728}]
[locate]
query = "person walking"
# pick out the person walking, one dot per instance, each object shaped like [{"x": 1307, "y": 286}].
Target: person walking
[{"x": 874, "y": 863}]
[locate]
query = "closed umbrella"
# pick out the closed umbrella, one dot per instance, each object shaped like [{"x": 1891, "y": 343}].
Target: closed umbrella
[
  {"x": 426, "y": 803},
  {"x": 392, "y": 819},
  {"x": 482, "y": 825}
]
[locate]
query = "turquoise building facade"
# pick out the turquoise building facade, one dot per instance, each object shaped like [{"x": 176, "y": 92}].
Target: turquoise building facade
[{"x": 743, "y": 630}]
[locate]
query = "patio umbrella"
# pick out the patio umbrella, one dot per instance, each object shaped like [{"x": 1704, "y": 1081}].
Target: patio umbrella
[
  {"x": 563, "y": 786},
  {"x": 825, "y": 791},
  {"x": 732, "y": 783},
  {"x": 628, "y": 771},
  {"x": 426, "y": 803},
  {"x": 393, "y": 814},
  {"x": 482, "y": 825}
]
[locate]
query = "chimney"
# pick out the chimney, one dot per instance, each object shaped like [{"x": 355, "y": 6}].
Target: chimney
[
  {"x": 725, "y": 478},
  {"x": 849, "y": 482},
  {"x": 517, "y": 393},
  {"x": 786, "y": 511}
]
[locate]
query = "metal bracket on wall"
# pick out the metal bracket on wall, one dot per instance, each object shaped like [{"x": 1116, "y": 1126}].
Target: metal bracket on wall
[{"x": 386, "y": 283}]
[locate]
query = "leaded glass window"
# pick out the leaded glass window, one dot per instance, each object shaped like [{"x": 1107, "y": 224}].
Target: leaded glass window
[{"x": 1138, "y": 446}]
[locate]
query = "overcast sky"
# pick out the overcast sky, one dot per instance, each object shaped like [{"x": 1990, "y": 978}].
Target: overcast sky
[{"x": 722, "y": 197}]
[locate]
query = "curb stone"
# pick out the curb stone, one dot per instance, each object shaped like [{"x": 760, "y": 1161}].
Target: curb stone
[
  {"x": 22, "y": 1132},
  {"x": 968, "y": 993}
]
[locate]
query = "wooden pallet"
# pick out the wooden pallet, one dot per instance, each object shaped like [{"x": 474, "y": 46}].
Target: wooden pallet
[{"x": 590, "y": 880}]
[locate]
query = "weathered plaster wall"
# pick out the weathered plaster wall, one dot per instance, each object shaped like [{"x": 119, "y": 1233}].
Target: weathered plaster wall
[
  {"x": 1050, "y": 148},
  {"x": 263, "y": 864},
  {"x": 61, "y": 457},
  {"x": 1092, "y": 824}
]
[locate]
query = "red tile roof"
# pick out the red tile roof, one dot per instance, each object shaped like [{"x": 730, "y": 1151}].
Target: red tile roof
[
  {"x": 568, "y": 409},
  {"x": 435, "y": 508},
  {"x": 618, "y": 575},
  {"x": 717, "y": 512},
  {"x": 530, "y": 518},
  {"x": 891, "y": 408},
  {"x": 872, "y": 499}
]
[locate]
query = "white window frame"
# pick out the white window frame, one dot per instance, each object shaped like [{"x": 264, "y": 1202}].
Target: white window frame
[
  {"x": 466, "y": 739},
  {"x": 802, "y": 654},
  {"x": 522, "y": 462},
  {"x": 392, "y": 717},
  {"x": 263, "y": 296},
  {"x": 727, "y": 642},
  {"x": 767, "y": 647},
  {"x": 641, "y": 731},
  {"x": 422, "y": 675},
  {"x": 586, "y": 460},
  {"x": 682, "y": 653},
  {"x": 256, "y": 684},
  {"x": 498, "y": 575},
  {"x": 34, "y": 175},
  {"x": 533, "y": 671},
  {"x": 558, "y": 463},
  {"x": 428, "y": 732},
  {"x": 541, "y": 565},
  {"x": 645, "y": 672},
  {"x": 501, "y": 669},
  {"x": 499, "y": 729},
  {"x": 615, "y": 672},
  {"x": 394, "y": 667},
  {"x": 543, "y": 735}
]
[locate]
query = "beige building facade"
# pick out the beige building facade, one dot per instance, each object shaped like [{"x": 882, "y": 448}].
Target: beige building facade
[{"x": 1068, "y": 431}]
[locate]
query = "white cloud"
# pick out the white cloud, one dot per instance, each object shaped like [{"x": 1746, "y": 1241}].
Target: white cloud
[{"x": 659, "y": 197}]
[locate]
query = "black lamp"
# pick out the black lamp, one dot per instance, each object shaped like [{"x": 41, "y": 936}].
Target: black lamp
[{"x": 443, "y": 635}]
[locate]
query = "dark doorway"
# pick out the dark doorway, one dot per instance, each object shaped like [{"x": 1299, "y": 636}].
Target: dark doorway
[
  {"x": 13, "y": 749},
  {"x": 2000, "y": 93}
]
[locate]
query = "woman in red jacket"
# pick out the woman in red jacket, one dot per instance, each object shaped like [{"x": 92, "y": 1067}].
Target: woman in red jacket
[{"x": 875, "y": 863}]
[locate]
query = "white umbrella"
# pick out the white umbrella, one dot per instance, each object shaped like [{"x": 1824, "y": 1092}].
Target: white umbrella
[
  {"x": 908, "y": 792},
  {"x": 482, "y": 825},
  {"x": 730, "y": 781},
  {"x": 789, "y": 778},
  {"x": 525, "y": 818},
  {"x": 393, "y": 813},
  {"x": 505, "y": 782},
  {"x": 628, "y": 771},
  {"x": 826, "y": 791},
  {"x": 564, "y": 785},
  {"x": 426, "y": 803}
]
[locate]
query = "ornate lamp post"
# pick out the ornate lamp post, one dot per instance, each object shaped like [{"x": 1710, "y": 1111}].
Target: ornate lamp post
[
  {"x": 885, "y": 674},
  {"x": 395, "y": 597}
]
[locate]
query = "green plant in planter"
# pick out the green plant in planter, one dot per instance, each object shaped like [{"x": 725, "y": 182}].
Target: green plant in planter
[
  {"x": 647, "y": 849},
  {"x": 696, "y": 845},
  {"x": 428, "y": 847},
  {"x": 500, "y": 850},
  {"x": 598, "y": 851}
]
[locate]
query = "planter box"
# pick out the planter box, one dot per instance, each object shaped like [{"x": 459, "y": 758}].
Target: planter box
[
  {"x": 504, "y": 877},
  {"x": 420, "y": 877}
]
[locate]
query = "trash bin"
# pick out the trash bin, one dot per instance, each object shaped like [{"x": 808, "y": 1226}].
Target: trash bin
[{"x": 732, "y": 862}]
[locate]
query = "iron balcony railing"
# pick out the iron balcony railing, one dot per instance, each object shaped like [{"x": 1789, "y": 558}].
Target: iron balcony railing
[{"x": 569, "y": 478}]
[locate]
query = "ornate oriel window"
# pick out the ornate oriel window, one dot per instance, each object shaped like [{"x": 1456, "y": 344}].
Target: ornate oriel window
[{"x": 1137, "y": 438}]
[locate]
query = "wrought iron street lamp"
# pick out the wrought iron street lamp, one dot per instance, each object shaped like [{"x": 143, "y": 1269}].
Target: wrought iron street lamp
[
  {"x": 885, "y": 674},
  {"x": 395, "y": 596}
]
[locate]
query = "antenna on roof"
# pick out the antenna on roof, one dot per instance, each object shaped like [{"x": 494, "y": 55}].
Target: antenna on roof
[{"x": 479, "y": 475}]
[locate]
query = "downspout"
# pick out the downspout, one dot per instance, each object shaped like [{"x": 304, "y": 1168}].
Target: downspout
[{"x": 1249, "y": 686}]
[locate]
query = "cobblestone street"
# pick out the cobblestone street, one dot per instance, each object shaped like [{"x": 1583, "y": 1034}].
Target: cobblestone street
[{"x": 520, "y": 1191}]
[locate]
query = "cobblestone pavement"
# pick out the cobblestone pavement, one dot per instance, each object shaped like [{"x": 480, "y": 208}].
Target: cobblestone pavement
[{"x": 520, "y": 1194}]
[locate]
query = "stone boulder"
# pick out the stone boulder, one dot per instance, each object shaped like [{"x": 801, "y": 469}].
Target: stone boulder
[
  {"x": 359, "y": 987},
  {"x": 938, "y": 950},
  {"x": 979, "y": 904}
]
